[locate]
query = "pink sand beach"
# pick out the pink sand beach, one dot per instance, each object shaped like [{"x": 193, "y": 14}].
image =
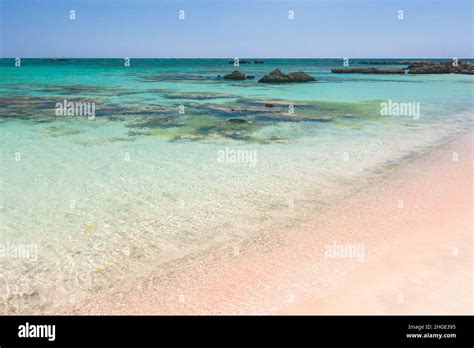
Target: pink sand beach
[{"x": 401, "y": 244}]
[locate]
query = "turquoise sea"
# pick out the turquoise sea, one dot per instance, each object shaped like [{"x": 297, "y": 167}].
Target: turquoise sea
[{"x": 161, "y": 173}]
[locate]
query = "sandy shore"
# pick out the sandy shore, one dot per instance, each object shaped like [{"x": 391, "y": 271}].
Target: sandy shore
[
  {"x": 414, "y": 225},
  {"x": 429, "y": 267}
]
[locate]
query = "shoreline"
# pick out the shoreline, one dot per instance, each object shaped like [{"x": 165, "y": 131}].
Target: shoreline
[
  {"x": 429, "y": 269},
  {"x": 286, "y": 272}
]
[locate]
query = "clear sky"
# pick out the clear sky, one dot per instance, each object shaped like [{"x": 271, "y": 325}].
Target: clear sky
[{"x": 237, "y": 28}]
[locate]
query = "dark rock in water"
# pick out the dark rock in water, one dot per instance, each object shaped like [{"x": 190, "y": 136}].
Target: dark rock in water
[
  {"x": 258, "y": 61},
  {"x": 367, "y": 71},
  {"x": 399, "y": 62},
  {"x": 237, "y": 120},
  {"x": 250, "y": 77},
  {"x": 241, "y": 61},
  {"x": 276, "y": 76},
  {"x": 424, "y": 67},
  {"x": 301, "y": 76},
  {"x": 218, "y": 76},
  {"x": 448, "y": 67},
  {"x": 58, "y": 60},
  {"x": 430, "y": 68},
  {"x": 235, "y": 75},
  {"x": 268, "y": 105}
]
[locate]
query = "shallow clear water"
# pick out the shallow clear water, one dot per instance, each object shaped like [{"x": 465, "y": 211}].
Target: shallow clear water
[{"x": 142, "y": 184}]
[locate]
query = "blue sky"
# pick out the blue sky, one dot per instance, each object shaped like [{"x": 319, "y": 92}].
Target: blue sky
[{"x": 238, "y": 28}]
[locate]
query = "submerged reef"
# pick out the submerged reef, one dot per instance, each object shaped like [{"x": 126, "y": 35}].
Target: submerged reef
[
  {"x": 204, "y": 116},
  {"x": 244, "y": 118}
]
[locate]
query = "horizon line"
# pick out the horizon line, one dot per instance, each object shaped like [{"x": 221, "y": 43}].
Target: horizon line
[{"x": 63, "y": 57}]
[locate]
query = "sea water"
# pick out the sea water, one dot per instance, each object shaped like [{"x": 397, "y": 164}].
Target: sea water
[{"x": 160, "y": 172}]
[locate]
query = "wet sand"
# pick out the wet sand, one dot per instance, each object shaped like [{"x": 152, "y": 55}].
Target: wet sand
[{"x": 429, "y": 267}]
